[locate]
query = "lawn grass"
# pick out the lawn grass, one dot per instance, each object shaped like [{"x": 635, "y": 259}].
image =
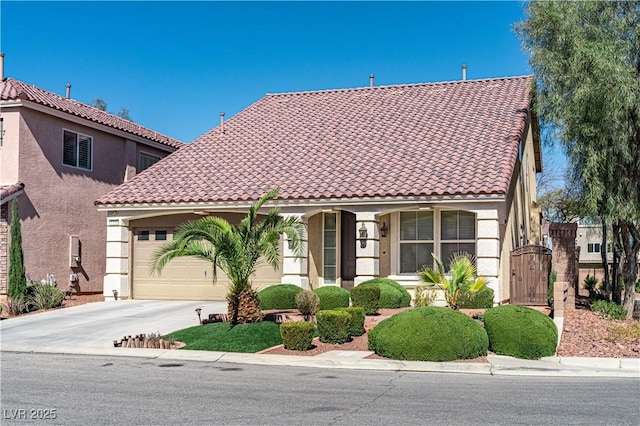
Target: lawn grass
[{"x": 220, "y": 336}]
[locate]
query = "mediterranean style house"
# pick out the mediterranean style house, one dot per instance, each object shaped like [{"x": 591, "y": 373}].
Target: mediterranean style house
[
  {"x": 57, "y": 156},
  {"x": 382, "y": 176}
]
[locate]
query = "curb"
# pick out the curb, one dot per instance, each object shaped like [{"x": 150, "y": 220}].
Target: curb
[{"x": 497, "y": 365}]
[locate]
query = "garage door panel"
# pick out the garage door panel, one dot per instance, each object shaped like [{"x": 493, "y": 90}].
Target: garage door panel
[{"x": 186, "y": 278}]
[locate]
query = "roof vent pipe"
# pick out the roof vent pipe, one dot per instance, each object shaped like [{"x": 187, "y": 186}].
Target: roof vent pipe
[
  {"x": 371, "y": 77},
  {"x": 1, "y": 66},
  {"x": 222, "y": 122},
  {"x": 68, "y": 94},
  {"x": 464, "y": 72}
]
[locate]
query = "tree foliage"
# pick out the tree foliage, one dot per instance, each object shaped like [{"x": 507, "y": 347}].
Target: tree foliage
[
  {"x": 236, "y": 250},
  {"x": 17, "y": 286},
  {"x": 586, "y": 57}
]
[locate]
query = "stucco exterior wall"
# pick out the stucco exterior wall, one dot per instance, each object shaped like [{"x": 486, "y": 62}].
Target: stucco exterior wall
[
  {"x": 314, "y": 233},
  {"x": 521, "y": 223},
  {"x": 58, "y": 200},
  {"x": 9, "y": 150}
]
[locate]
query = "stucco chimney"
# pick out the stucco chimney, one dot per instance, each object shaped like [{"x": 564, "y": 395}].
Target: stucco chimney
[
  {"x": 464, "y": 72},
  {"x": 1, "y": 66},
  {"x": 371, "y": 77},
  {"x": 68, "y": 94},
  {"x": 222, "y": 122}
]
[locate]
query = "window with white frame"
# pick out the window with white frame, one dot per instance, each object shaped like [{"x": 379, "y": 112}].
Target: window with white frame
[
  {"x": 77, "y": 150},
  {"x": 457, "y": 233},
  {"x": 146, "y": 161},
  {"x": 330, "y": 248},
  {"x": 593, "y": 248},
  {"x": 416, "y": 240}
]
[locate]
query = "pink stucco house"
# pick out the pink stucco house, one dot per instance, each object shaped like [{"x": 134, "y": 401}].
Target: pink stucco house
[{"x": 57, "y": 155}]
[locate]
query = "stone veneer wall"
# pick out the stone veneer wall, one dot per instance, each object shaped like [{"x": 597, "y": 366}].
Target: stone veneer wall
[{"x": 4, "y": 247}]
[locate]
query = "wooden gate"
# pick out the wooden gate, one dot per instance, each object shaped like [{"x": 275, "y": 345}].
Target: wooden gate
[{"x": 530, "y": 269}]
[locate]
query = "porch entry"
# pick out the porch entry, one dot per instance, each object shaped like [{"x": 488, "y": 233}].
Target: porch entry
[
  {"x": 347, "y": 249},
  {"x": 530, "y": 270}
]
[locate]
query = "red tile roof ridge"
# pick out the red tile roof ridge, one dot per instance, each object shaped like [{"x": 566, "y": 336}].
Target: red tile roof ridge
[
  {"x": 11, "y": 88},
  {"x": 401, "y": 85}
]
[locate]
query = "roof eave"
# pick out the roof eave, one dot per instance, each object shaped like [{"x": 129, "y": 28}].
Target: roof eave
[
  {"x": 86, "y": 122},
  {"x": 333, "y": 202}
]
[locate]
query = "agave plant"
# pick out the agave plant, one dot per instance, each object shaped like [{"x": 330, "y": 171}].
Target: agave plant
[
  {"x": 460, "y": 279},
  {"x": 236, "y": 250}
]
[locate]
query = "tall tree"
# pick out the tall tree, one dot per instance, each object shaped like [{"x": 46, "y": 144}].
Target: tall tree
[
  {"x": 17, "y": 286},
  {"x": 124, "y": 113},
  {"x": 586, "y": 57},
  {"x": 100, "y": 104},
  {"x": 236, "y": 250}
]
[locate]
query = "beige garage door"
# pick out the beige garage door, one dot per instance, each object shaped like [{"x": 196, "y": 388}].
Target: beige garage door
[{"x": 184, "y": 278}]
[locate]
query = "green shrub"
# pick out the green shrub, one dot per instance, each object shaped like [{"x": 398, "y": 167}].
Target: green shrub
[
  {"x": 609, "y": 310},
  {"x": 357, "y": 320},
  {"x": 297, "y": 336},
  {"x": 480, "y": 300},
  {"x": 333, "y": 326},
  {"x": 429, "y": 334},
  {"x": 281, "y": 296},
  {"x": 520, "y": 332},
  {"x": 307, "y": 302},
  {"x": 392, "y": 294},
  {"x": 45, "y": 296},
  {"x": 332, "y": 297},
  {"x": 367, "y": 297}
]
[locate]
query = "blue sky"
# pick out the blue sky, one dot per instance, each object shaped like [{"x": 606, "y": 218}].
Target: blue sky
[{"x": 177, "y": 65}]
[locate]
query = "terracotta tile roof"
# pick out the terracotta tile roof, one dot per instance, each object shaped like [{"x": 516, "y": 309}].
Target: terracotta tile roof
[
  {"x": 8, "y": 190},
  {"x": 11, "y": 89},
  {"x": 405, "y": 140}
]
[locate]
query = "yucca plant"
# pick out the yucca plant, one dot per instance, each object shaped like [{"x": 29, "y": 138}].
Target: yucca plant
[
  {"x": 460, "y": 279},
  {"x": 237, "y": 250}
]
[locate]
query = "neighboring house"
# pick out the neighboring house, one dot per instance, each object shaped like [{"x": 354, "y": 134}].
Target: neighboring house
[
  {"x": 57, "y": 156},
  {"x": 589, "y": 241},
  {"x": 382, "y": 176}
]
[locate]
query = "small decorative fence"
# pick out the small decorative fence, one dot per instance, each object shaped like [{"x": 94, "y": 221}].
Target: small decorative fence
[{"x": 530, "y": 269}]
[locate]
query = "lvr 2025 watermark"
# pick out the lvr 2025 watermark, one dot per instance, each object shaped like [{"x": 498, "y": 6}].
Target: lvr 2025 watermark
[{"x": 29, "y": 413}]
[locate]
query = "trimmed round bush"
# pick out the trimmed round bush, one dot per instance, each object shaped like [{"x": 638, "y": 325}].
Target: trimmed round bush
[
  {"x": 297, "y": 336},
  {"x": 367, "y": 297},
  {"x": 357, "y": 320},
  {"x": 281, "y": 296},
  {"x": 429, "y": 334},
  {"x": 332, "y": 297},
  {"x": 392, "y": 294},
  {"x": 520, "y": 332},
  {"x": 333, "y": 326},
  {"x": 482, "y": 299}
]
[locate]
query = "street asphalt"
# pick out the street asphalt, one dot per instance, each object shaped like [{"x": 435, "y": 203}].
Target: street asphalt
[{"x": 90, "y": 329}]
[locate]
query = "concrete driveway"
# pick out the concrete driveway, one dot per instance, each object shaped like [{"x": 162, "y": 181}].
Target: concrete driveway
[{"x": 96, "y": 325}]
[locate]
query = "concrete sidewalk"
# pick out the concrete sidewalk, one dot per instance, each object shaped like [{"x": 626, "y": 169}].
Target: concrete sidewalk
[{"x": 90, "y": 329}]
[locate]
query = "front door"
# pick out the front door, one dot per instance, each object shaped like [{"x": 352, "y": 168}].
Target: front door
[{"x": 347, "y": 249}]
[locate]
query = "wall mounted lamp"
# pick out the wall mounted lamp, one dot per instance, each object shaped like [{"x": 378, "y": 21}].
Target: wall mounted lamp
[
  {"x": 290, "y": 243},
  {"x": 384, "y": 230},
  {"x": 363, "y": 236}
]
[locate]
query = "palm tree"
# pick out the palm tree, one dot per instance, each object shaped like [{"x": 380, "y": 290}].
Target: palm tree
[
  {"x": 237, "y": 250},
  {"x": 461, "y": 278}
]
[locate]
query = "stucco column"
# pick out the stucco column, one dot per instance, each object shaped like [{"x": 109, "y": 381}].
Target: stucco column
[
  {"x": 295, "y": 269},
  {"x": 488, "y": 250},
  {"x": 117, "y": 268},
  {"x": 563, "y": 261},
  {"x": 368, "y": 257}
]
